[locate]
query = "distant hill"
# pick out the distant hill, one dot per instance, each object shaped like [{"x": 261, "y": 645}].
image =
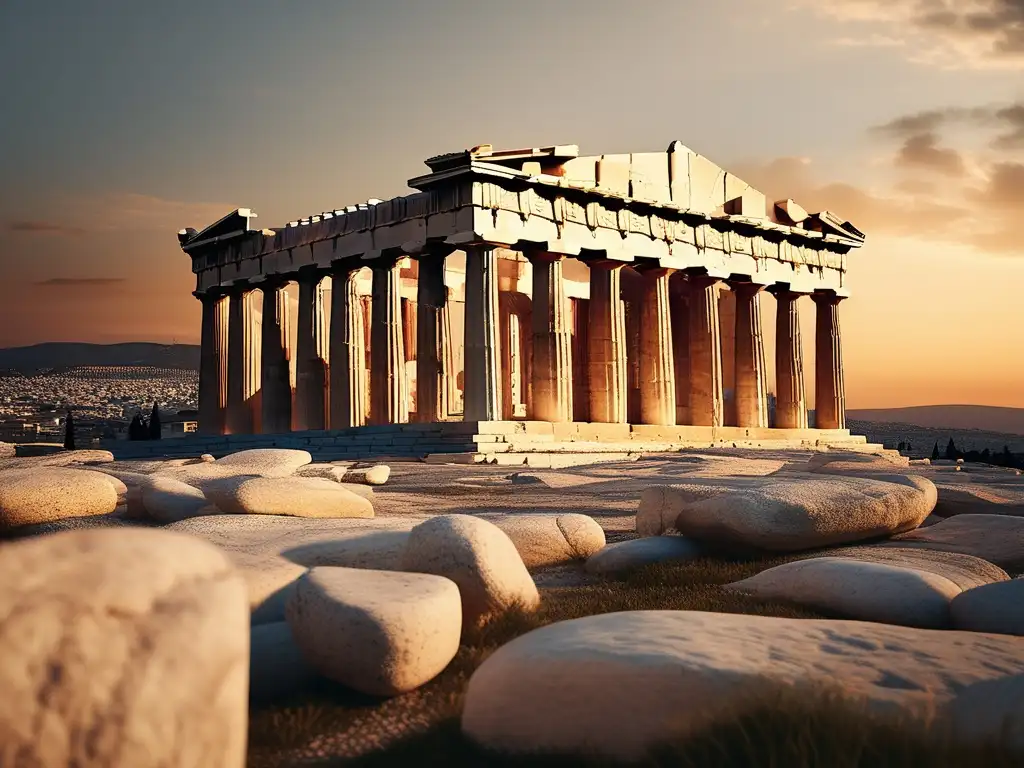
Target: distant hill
[
  {"x": 61, "y": 355},
  {"x": 984, "y": 417}
]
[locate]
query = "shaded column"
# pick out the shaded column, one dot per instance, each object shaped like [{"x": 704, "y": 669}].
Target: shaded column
[
  {"x": 657, "y": 371},
  {"x": 706, "y": 396},
  {"x": 211, "y": 411},
  {"x": 551, "y": 392},
  {"x": 790, "y": 399},
  {"x": 751, "y": 389},
  {"x": 431, "y": 298},
  {"x": 829, "y": 387},
  {"x": 311, "y": 369},
  {"x": 277, "y": 389},
  {"x": 243, "y": 363},
  {"x": 348, "y": 349},
  {"x": 389, "y": 403},
  {"x": 482, "y": 388},
  {"x": 607, "y": 344},
  {"x": 679, "y": 310}
]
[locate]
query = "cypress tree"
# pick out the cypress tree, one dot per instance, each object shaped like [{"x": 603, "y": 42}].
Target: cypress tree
[
  {"x": 69, "y": 432},
  {"x": 951, "y": 452},
  {"x": 136, "y": 430},
  {"x": 154, "y": 422},
  {"x": 935, "y": 452}
]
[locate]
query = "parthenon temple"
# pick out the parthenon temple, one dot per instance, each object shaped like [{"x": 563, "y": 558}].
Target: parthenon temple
[{"x": 523, "y": 300}]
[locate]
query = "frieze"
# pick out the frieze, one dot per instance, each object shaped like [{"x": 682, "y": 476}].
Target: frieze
[
  {"x": 541, "y": 206},
  {"x": 713, "y": 239},
  {"x": 573, "y": 211},
  {"x": 765, "y": 249},
  {"x": 661, "y": 229},
  {"x": 739, "y": 243},
  {"x": 606, "y": 218},
  {"x": 639, "y": 223}
]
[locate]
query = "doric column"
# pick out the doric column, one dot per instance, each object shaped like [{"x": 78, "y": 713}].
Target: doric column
[
  {"x": 311, "y": 368},
  {"x": 389, "y": 401},
  {"x": 551, "y": 394},
  {"x": 482, "y": 387},
  {"x": 243, "y": 363},
  {"x": 277, "y": 354},
  {"x": 657, "y": 371},
  {"x": 211, "y": 410},
  {"x": 829, "y": 388},
  {"x": 607, "y": 343},
  {"x": 790, "y": 400},
  {"x": 348, "y": 351},
  {"x": 431, "y": 297},
  {"x": 751, "y": 388},
  {"x": 679, "y": 310},
  {"x": 706, "y": 397}
]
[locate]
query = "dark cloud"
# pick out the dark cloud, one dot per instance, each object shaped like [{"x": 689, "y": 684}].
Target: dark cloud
[
  {"x": 999, "y": 24},
  {"x": 42, "y": 228},
  {"x": 920, "y": 131},
  {"x": 80, "y": 282},
  {"x": 923, "y": 151},
  {"x": 1011, "y": 119}
]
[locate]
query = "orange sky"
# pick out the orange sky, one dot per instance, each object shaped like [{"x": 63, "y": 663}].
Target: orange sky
[{"x": 905, "y": 117}]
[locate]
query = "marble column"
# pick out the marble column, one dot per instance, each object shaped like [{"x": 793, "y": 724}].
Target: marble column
[
  {"x": 348, "y": 350},
  {"x": 657, "y": 370},
  {"x": 211, "y": 410},
  {"x": 551, "y": 392},
  {"x": 483, "y": 353},
  {"x": 389, "y": 392},
  {"x": 607, "y": 344},
  {"x": 706, "y": 389},
  {"x": 751, "y": 389},
  {"x": 790, "y": 399},
  {"x": 679, "y": 310},
  {"x": 431, "y": 297},
  {"x": 277, "y": 355},
  {"x": 311, "y": 368},
  {"x": 829, "y": 388},
  {"x": 243, "y": 363}
]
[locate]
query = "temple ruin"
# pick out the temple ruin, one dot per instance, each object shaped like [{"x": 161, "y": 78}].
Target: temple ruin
[{"x": 524, "y": 303}]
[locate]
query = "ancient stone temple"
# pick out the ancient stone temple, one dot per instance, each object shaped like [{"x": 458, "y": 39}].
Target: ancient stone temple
[{"x": 524, "y": 303}]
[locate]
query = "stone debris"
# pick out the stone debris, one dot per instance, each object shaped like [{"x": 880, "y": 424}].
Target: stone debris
[
  {"x": 48, "y": 494},
  {"x": 997, "y": 608},
  {"x": 544, "y": 540},
  {"x": 293, "y": 496},
  {"x": 166, "y": 500},
  {"x": 673, "y": 672},
  {"x": 629, "y": 555},
  {"x": 479, "y": 557},
  {"x": 122, "y": 647},
  {"x": 377, "y": 475},
  {"x": 58, "y": 459},
  {"x": 377, "y": 632}
]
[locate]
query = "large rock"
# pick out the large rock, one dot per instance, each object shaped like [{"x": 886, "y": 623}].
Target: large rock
[
  {"x": 376, "y": 475},
  {"x": 294, "y": 496},
  {"x": 629, "y": 555},
  {"x": 277, "y": 668},
  {"x": 966, "y": 571},
  {"x": 543, "y": 540},
  {"x": 996, "y": 538},
  {"x": 122, "y": 648},
  {"x": 857, "y": 589},
  {"x": 58, "y": 459},
  {"x": 802, "y": 512},
  {"x": 167, "y": 500},
  {"x": 32, "y": 496},
  {"x": 619, "y": 684},
  {"x": 476, "y": 555},
  {"x": 266, "y": 462},
  {"x": 997, "y": 608},
  {"x": 661, "y": 505},
  {"x": 377, "y": 632}
]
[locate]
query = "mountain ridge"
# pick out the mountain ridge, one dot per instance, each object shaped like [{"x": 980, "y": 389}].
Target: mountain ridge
[
  {"x": 71, "y": 354},
  {"x": 989, "y": 418}
]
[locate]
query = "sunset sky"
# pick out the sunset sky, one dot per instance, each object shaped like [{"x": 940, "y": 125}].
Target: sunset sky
[{"x": 124, "y": 121}]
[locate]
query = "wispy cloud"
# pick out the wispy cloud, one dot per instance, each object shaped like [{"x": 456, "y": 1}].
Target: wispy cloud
[
  {"x": 79, "y": 282},
  {"x": 42, "y": 228}
]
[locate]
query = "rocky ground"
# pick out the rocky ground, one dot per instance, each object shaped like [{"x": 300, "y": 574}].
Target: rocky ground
[{"x": 264, "y": 610}]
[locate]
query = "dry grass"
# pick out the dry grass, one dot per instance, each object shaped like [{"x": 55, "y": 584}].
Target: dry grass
[{"x": 331, "y": 726}]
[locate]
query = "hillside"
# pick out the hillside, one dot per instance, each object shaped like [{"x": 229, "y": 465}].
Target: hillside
[
  {"x": 981, "y": 417},
  {"x": 73, "y": 354}
]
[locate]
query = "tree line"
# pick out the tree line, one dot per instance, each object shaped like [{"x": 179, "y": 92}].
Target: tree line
[{"x": 1004, "y": 458}]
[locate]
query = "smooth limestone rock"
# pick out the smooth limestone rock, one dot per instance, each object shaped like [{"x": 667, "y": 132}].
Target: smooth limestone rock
[
  {"x": 134, "y": 483},
  {"x": 167, "y": 500},
  {"x": 267, "y": 462},
  {"x": 996, "y": 538},
  {"x": 377, "y": 475},
  {"x": 294, "y": 496},
  {"x": 43, "y": 495},
  {"x": 661, "y": 505},
  {"x": 543, "y": 540},
  {"x": 277, "y": 668},
  {"x": 804, "y": 512},
  {"x": 378, "y": 632},
  {"x": 479, "y": 557},
  {"x": 857, "y": 589},
  {"x": 58, "y": 459},
  {"x": 626, "y": 556},
  {"x": 122, "y": 648},
  {"x": 619, "y": 684},
  {"x": 325, "y": 471},
  {"x": 997, "y": 608},
  {"x": 965, "y": 571}
]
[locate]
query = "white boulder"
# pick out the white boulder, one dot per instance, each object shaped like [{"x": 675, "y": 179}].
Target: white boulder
[
  {"x": 479, "y": 557},
  {"x": 997, "y": 608},
  {"x": 294, "y": 496},
  {"x": 629, "y": 555},
  {"x": 543, "y": 540},
  {"x": 167, "y": 500},
  {"x": 122, "y": 648},
  {"x": 58, "y": 459},
  {"x": 266, "y": 462},
  {"x": 43, "y": 495},
  {"x": 996, "y": 538},
  {"x": 377, "y": 475},
  {"x": 378, "y": 632}
]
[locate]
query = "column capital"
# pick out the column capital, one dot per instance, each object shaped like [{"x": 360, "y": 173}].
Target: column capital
[
  {"x": 347, "y": 265},
  {"x": 606, "y": 265},
  {"x": 436, "y": 250},
  {"x": 537, "y": 253},
  {"x": 211, "y": 294},
  {"x": 310, "y": 273},
  {"x": 701, "y": 279},
  {"x": 783, "y": 290},
  {"x": 745, "y": 287},
  {"x": 653, "y": 270},
  {"x": 826, "y": 297},
  {"x": 273, "y": 281}
]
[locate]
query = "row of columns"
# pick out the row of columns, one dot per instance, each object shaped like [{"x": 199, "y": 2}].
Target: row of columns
[{"x": 679, "y": 354}]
